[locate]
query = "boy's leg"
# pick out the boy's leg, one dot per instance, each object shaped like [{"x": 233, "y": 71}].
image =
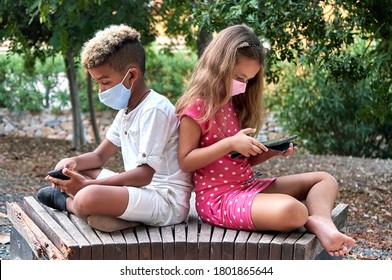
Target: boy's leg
[
  {"x": 100, "y": 206},
  {"x": 147, "y": 205},
  {"x": 99, "y": 200},
  {"x": 109, "y": 224}
]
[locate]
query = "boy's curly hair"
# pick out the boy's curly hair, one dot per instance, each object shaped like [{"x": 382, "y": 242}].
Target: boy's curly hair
[{"x": 116, "y": 45}]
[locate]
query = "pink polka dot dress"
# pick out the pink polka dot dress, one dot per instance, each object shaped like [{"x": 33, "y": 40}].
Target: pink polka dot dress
[{"x": 225, "y": 189}]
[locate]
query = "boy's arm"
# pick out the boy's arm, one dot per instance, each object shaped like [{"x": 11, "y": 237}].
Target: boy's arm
[
  {"x": 91, "y": 160},
  {"x": 138, "y": 177}
]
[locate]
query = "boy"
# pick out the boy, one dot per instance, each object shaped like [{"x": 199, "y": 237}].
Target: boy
[{"x": 152, "y": 190}]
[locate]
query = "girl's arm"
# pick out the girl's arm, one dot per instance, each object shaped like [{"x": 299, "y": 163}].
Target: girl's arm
[
  {"x": 260, "y": 158},
  {"x": 192, "y": 157}
]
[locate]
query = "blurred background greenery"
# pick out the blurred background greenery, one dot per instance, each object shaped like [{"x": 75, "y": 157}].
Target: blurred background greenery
[{"x": 328, "y": 68}]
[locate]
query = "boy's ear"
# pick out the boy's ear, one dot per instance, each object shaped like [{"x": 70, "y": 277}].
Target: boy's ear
[{"x": 134, "y": 73}]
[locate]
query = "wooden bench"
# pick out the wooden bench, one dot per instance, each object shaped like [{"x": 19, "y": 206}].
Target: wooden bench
[{"x": 40, "y": 232}]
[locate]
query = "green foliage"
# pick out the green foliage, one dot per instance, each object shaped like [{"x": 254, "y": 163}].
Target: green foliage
[
  {"x": 346, "y": 84},
  {"x": 325, "y": 109},
  {"x": 176, "y": 16},
  {"x": 46, "y": 84},
  {"x": 167, "y": 73},
  {"x": 43, "y": 28},
  {"x": 31, "y": 90}
]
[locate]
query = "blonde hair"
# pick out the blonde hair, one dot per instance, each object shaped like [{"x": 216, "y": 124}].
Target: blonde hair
[
  {"x": 116, "y": 45},
  {"x": 212, "y": 77}
]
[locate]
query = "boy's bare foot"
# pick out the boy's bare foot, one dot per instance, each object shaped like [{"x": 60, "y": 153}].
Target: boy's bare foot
[{"x": 333, "y": 241}]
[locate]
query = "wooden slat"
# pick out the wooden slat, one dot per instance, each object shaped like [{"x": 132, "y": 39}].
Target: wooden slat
[
  {"x": 132, "y": 244},
  {"x": 288, "y": 245},
  {"x": 168, "y": 242},
  {"x": 228, "y": 244},
  {"x": 20, "y": 248},
  {"x": 304, "y": 247},
  {"x": 51, "y": 228},
  {"x": 252, "y": 246},
  {"x": 263, "y": 251},
  {"x": 156, "y": 243},
  {"x": 216, "y": 243},
  {"x": 192, "y": 238},
  {"x": 240, "y": 245},
  {"x": 180, "y": 241},
  {"x": 120, "y": 252},
  {"x": 339, "y": 215},
  {"x": 192, "y": 248},
  {"x": 40, "y": 246},
  {"x": 63, "y": 220},
  {"x": 144, "y": 243},
  {"x": 276, "y": 246},
  {"x": 205, "y": 241},
  {"x": 90, "y": 235},
  {"x": 109, "y": 247}
]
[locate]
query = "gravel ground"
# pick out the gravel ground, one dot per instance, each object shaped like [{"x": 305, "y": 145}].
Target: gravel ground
[{"x": 365, "y": 184}]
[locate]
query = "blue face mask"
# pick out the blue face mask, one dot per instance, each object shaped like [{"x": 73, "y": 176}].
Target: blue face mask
[{"x": 116, "y": 97}]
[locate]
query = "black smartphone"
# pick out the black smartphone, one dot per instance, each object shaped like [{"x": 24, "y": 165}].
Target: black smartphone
[
  {"x": 58, "y": 173},
  {"x": 280, "y": 145}
]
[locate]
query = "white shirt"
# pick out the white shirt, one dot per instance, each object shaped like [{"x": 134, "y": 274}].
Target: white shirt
[{"x": 149, "y": 135}]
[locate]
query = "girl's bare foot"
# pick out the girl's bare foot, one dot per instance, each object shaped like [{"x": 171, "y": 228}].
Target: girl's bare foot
[{"x": 333, "y": 241}]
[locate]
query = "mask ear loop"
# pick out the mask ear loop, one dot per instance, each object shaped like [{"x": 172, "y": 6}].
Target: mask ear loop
[{"x": 125, "y": 77}]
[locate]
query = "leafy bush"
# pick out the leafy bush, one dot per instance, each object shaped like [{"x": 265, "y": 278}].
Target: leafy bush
[
  {"x": 45, "y": 84},
  {"x": 31, "y": 89},
  {"x": 328, "y": 108},
  {"x": 168, "y": 72}
]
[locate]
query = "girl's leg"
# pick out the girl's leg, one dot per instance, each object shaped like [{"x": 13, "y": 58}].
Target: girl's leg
[
  {"x": 319, "y": 191},
  {"x": 278, "y": 212}
]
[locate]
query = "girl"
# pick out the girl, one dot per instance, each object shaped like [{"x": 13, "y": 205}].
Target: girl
[{"x": 220, "y": 112}]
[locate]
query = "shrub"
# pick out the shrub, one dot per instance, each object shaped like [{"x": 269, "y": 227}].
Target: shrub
[
  {"x": 168, "y": 72},
  {"x": 45, "y": 85},
  {"x": 30, "y": 89},
  {"x": 326, "y": 109}
]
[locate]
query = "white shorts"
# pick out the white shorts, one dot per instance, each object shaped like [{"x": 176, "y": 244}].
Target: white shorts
[{"x": 150, "y": 205}]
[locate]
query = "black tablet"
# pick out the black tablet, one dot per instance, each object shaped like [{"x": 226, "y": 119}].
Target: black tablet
[{"x": 280, "y": 145}]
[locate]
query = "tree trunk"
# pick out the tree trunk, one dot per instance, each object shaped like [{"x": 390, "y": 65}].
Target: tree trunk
[
  {"x": 203, "y": 38},
  {"x": 93, "y": 119},
  {"x": 78, "y": 137}
]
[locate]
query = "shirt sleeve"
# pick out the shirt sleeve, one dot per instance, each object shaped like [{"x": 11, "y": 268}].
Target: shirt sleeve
[
  {"x": 196, "y": 111},
  {"x": 113, "y": 132},
  {"x": 157, "y": 126}
]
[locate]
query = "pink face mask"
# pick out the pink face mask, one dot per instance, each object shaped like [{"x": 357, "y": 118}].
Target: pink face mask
[{"x": 237, "y": 87}]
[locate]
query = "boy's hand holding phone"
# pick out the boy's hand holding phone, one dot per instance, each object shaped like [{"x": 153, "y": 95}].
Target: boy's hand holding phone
[{"x": 57, "y": 173}]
